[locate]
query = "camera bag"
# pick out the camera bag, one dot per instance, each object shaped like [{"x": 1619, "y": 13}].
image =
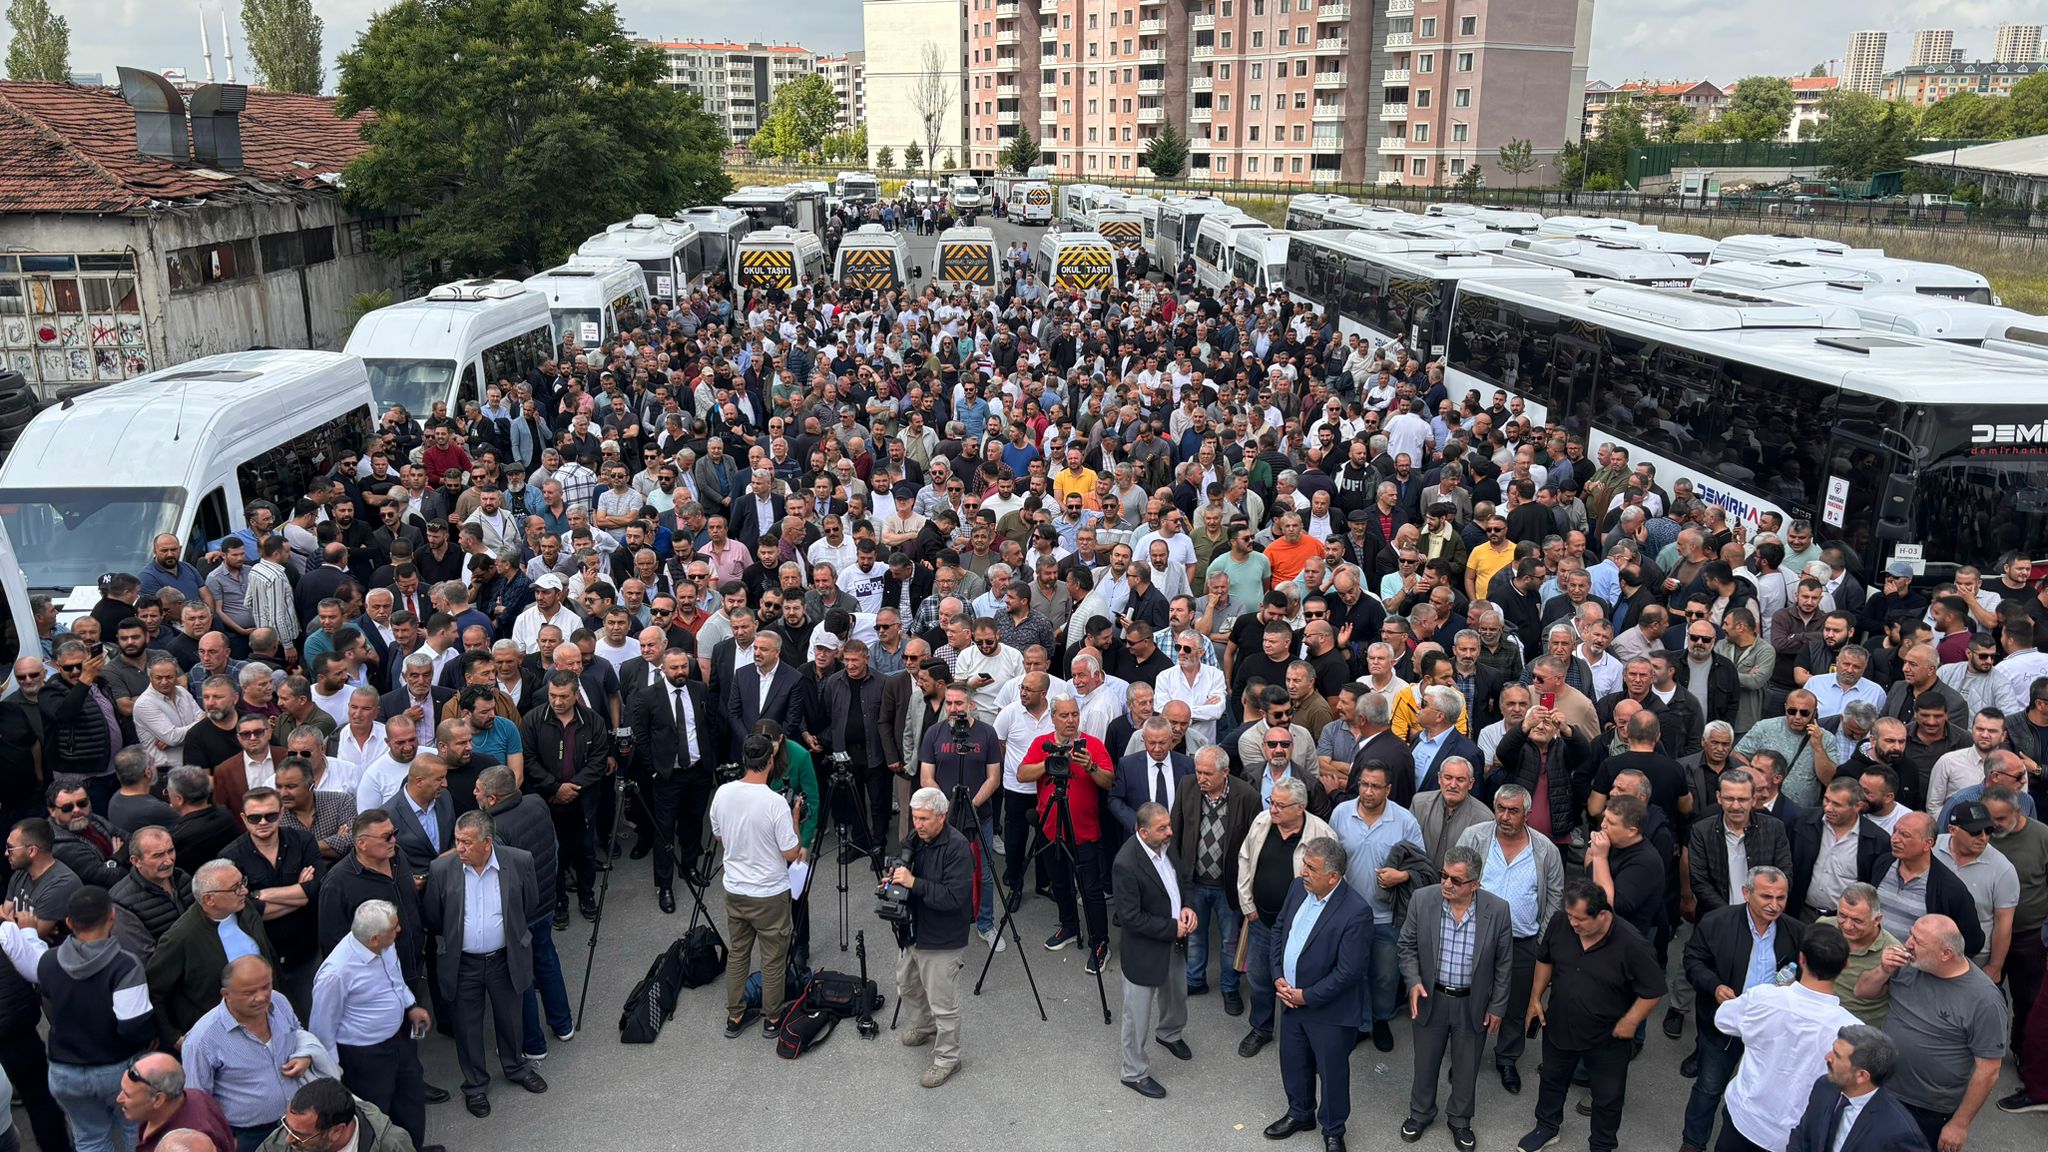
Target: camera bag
[
  {"x": 701, "y": 954},
  {"x": 803, "y": 1030},
  {"x": 842, "y": 994},
  {"x": 652, "y": 1002}
]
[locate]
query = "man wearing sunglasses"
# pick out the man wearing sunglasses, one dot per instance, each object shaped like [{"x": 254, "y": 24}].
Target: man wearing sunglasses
[{"x": 282, "y": 866}]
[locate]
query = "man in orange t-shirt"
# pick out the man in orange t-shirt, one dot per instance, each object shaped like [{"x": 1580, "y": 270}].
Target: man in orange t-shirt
[{"x": 1290, "y": 550}]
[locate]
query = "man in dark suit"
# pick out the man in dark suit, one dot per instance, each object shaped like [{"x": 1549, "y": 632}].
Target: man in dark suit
[
  {"x": 1852, "y": 1094},
  {"x": 1436, "y": 728},
  {"x": 417, "y": 694},
  {"x": 675, "y": 741},
  {"x": 1213, "y": 799},
  {"x": 1319, "y": 947},
  {"x": 1153, "y": 774},
  {"x": 1457, "y": 975},
  {"x": 1155, "y": 918},
  {"x": 422, "y": 813},
  {"x": 184, "y": 971},
  {"x": 493, "y": 964},
  {"x": 748, "y": 506},
  {"x": 747, "y": 703},
  {"x": 729, "y": 654},
  {"x": 1706, "y": 854},
  {"x": 1815, "y": 891},
  {"x": 1719, "y": 966}
]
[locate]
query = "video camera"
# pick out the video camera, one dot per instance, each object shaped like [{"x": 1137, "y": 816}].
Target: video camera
[
  {"x": 1059, "y": 763},
  {"x": 727, "y": 773},
  {"x": 892, "y": 900}
]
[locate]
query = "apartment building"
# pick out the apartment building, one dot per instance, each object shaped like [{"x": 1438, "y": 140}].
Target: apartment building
[
  {"x": 1297, "y": 91},
  {"x": 2016, "y": 44},
  {"x": 897, "y": 35},
  {"x": 848, "y": 76},
  {"x": 1932, "y": 46},
  {"x": 1931, "y": 85},
  {"x": 1863, "y": 63},
  {"x": 736, "y": 81},
  {"x": 1807, "y": 94},
  {"x": 1705, "y": 100}
]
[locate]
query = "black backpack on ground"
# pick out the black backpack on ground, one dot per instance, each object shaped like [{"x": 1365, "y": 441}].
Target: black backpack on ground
[
  {"x": 703, "y": 954},
  {"x": 842, "y": 994},
  {"x": 653, "y": 1000}
]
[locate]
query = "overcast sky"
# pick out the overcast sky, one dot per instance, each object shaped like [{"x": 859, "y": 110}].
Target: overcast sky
[{"x": 1662, "y": 39}]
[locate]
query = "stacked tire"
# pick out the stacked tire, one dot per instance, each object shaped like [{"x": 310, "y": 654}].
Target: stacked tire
[{"x": 17, "y": 408}]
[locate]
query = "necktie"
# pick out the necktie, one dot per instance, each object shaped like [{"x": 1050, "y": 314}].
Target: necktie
[
  {"x": 1835, "y": 1124},
  {"x": 1159, "y": 783},
  {"x": 683, "y": 745}
]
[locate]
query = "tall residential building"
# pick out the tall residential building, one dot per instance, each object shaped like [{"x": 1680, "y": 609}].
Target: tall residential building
[
  {"x": 1290, "y": 90},
  {"x": 736, "y": 81},
  {"x": 1863, "y": 66},
  {"x": 911, "y": 42},
  {"x": 1924, "y": 86},
  {"x": 1932, "y": 46},
  {"x": 848, "y": 76},
  {"x": 2017, "y": 44}
]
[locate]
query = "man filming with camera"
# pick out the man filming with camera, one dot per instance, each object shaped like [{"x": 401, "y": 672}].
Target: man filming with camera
[
  {"x": 1068, "y": 764},
  {"x": 933, "y": 884}
]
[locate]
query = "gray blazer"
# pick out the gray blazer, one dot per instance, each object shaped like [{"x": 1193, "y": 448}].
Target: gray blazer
[
  {"x": 1549, "y": 865},
  {"x": 1493, "y": 958},
  {"x": 442, "y": 906}
]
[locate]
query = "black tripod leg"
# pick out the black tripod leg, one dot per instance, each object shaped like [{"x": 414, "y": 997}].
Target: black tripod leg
[
  {"x": 1009, "y": 921},
  {"x": 1065, "y": 818},
  {"x": 604, "y": 887}
]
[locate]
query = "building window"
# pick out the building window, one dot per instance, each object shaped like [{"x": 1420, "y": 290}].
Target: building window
[
  {"x": 1222, "y": 133},
  {"x": 1422, "y": 133},
  {"x": 1301, "y": 99},
  {"x": 191, "y": 269},
  {"x": 1468, "y": 25},
  {"x": 1457, "y": 167},
  {"x": 1252, "y": 134},
  {"x": 72, "y": 319},
  {"x": 1256, "y": 99},
  {"x": 1464, "y": 61},
  {"x": 1258, "y": 71},
  {"x": 1425, "y": 62},
  {"x": 1418, "y": 167},
  {"x": 1223, "y": 164},
  {"x": 1258, "y": 8},
  {"x": 1422, "y": 96},
  {"x": 1299, "y": 134},
  {"x": 1251, "y": 163},
  {"x": 1258, "y": 39},
  {"x": 1429, "y": 27},
  {"x": 1300, "y": 69},
  {"x": 1460, "y": 132},
  {"x": 1223, "y": 103},
  {"x": 1461, "y": 98}
]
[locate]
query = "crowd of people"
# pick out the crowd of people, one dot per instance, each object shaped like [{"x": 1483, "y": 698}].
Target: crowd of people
[{"x": 1372, "y": 706}]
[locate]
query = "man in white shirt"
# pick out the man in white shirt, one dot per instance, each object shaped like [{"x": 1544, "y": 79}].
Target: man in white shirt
[
  {"x": 1198, "y": 685},
  {"x": 360, "y": 742},
  {"x": 547, "y": 608},
  {"x": 985, "y": 666},
  {"x": 382, "y": 779},
  {"x": 165, "y": 714},
  {"x": 759, "y": 832},
  {"x": 1786, "y": 1033}
]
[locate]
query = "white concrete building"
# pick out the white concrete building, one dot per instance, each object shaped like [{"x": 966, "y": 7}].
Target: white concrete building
[
  {"x": 1863, "y": 63},
  {"x": 848, "y": 76},
  {"x": 896, "y": 33},
  {"x": 1932, "y": 46},
  {"x": 736, "y": 81},
  {"x": 2016, "y": 44}
]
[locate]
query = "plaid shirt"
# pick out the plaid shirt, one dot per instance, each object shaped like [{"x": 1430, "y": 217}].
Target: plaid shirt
[{"x": 1455, "y": 946}]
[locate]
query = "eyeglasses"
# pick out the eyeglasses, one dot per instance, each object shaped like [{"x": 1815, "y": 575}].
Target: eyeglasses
[
  {"x": 1186, "y": 649},
  {"x": 1459, "y": 882},
  {"x": 1701, "y": 639},
  {"x": 237, "y": 890},
  {"x": 295, "y": 1140},
  {"x": 255, "y": 735},
  {"x": 1803, "y": 712},
  {"x": 1279, "y": 743},
  {"x": 659, "y": 611}
]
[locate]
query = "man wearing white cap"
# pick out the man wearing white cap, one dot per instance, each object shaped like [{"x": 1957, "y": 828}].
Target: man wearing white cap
[{"x": 547, "y": 608}]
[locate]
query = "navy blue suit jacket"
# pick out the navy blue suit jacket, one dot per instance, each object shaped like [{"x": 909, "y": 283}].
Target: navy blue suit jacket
[
  {"x": 1455, "y": 743},
  {"x": 1883, "y": 1125},
  {"x": 1132, "y": 786},
  {"x": 1333, "y": 960},
  {"x": 786, "y": 701}
]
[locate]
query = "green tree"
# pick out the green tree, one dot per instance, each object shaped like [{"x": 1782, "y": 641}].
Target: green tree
[
  {"x": 1166, "y": 157},
  {"x": 1517, "y": 159},
  {"x": 946, "y": 161},
  {"x": 284, "y": 39},
  {"x": 41, "y": 48},
  {"x": 1860, "y": 135},
  {"x": 1968, "y": 116},
  {"x": 1571, "y": 164},
  {"x": 857, "y": 145},
  {"x": 1621, "y": 137},
  {"x": 1673, "y": 120},
  {"x": 1817, "y": 71},
  {"x": 913, "y": 156},
  {"x": 487, "y": 115},
  {"x": 885, "y": 159},
  {"x": 801, "y": 114},
  {"x": 1022, "y": 152},
  {"x": 1470, "y": 180},
  {"x": 1761, "y": 108},
  {"x": 2027, "y": 106}
]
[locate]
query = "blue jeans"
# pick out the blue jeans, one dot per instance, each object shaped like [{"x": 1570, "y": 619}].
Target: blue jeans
[
  {"x": 1212, "y": 906},
  {"x": 86, "y": 1093},
  {"x": 1258, "y": 964},
  {"x": 1381, "y": 986},
  {"x": 547, "y": 988},
  {"x": 985, "y": 917},
  {"x": 1718, "y": 1057}
]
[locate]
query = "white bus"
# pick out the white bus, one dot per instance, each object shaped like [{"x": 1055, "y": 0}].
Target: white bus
[
  {"x": 1771, "y": 406},
  {"x": 719, "y": 232},
  {"x": 1394, "y": 287},
  {"x": 1773, "y": 246},
  {"x": 1076, "y": 262},
  {"x": 967, "y": 260},
  {"x": 1030, "y": 202},
  {"x": 444, "y": 347},
  {"x": 77, "y": 499},
  {"x": 1599, "y": 260},
  {"x": 857, "y": 188},
  {"x": 593, "y": 300},
  {"x": 1306, "y": 211},
  {"x": 1588, "y": 225},
  {"x": 1910, "y": 314},
  {"x": 1694, "y": 249},
  {"x": 873, "y": 258},
  {"x": 1180, "y": 219},
  {"x": 1258, "y": 256},
  {"x": 1874, "y": 274},
  {"x": 668, "y": 252},
  {"x": 17, "y": 623},
  {"x": 2024, "y": 338},
  {"x": 782, "y": 258},
  {"x": 1213, "y": 242},
  {"x": 1077, "y": 200},
  {"x": 789, "y": 206},
  {"x": 1498, "y": 219}
]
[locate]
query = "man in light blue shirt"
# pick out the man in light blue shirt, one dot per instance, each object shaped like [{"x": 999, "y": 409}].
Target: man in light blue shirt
[
  {"x": 1834, "y": 692},
  {"x": 247, "y": 1052},
  {"x": 365, "y": 1014},
  {"x": 1369, "y": 828}
]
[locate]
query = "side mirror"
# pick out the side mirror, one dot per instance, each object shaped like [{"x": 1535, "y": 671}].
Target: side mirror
[{"x": 917, "y": 272}]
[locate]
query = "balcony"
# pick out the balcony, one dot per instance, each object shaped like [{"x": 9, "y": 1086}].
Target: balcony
[
  {"x": 1008, "y": 36},
  {"x": 1322, "y": 176},
  {"x": 1337, "y": 11},
  {"x": 1202, "y": 84},
  {"x": 1151, "y": 87},
  {"x": 1393, "y": 144},
  {"x": 1396, "y": 7},
  {"x": 1400, "y": 41},
  {"x": 1388, "y": 180},
  {"x": 1048, "y": 91},
  {"x": 1048, "y": 7},
  {"x": 1202, "y": 51},
  {"x": 1151, "y": 27},
  {"x": 1047, "y": 33},
  {"x": 1152, "y": 114},
  {"x": 1048, "y": 115},
  {"x": 1009, "y": 9},
  {"x": 1010, "y": 63},
  {"x": 1153, "y": 55},
  {"x": 1395, "y": 78},
  {"x": 1393, "y": 111},
  {"x": 1328, "y": 112},
  {"x": 1332, "y": 46},
  {"x": 1327, "y": 81},
  {"x": 1008, "y": 92},
  {"x": 1201, "y": 115},
  {"x": 1202, "y": 22},
  {"x": 1011, "y": 117}
]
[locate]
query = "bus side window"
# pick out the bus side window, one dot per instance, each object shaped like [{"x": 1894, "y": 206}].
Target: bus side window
[
  {"x": 209, "y": 523},
  {"x": 469, "y": 389}
]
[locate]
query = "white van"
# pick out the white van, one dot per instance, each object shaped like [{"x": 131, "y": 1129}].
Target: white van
[
  {"x": 1307, "y": 211},
  {"x": 1030, "y": 202},
  {"x": 967, "y": 260},
  {"x": 668, "y": 252},
  {"x": 1117, "y": 221},
  {"x": 1773, "y": 246},
  {"x": 593, "y": 300},
  {"x": 779, "y": 258},
  {"x": 1599, "y": 260},
  {"x": 17, "y": 623},
  {"x": 873, "y": 258},
  {"x": 443, "y": 347},
  {"x": 1259, "y": 258},
  {"x": 719, "y": 232},
  {"x": 77, "y": 499},
  {"x": 1076, "y": 262},
  {"x": 1180, "y": 219},
  {"x": 1213, "y": 241},
  {"x": 966, "y": 195},
  {"x": 857, "y": 188},
  {"x": 1077, "y": 200},
  {"x": 800, "y": 205}
]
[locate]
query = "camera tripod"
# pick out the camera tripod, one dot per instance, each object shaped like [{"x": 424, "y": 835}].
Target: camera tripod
[
  {"x": 969, "y": 823},
  {"x": 844, "y": 797},
  {"x": 1063, "y": 826},
  {"x": 627, "y": 789}
]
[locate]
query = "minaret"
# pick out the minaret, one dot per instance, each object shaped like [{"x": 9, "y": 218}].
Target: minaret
[
  {"x": 227, "y": 45},
  {"x": 205, "y": 46}
]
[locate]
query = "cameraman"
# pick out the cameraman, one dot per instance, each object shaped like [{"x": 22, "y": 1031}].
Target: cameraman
[
  {"x": 938, "y": 872},
  {"x": 1092, "y": 773},
  {"x": 965, "y": 754},
  {"x": 759, "y": 833}
]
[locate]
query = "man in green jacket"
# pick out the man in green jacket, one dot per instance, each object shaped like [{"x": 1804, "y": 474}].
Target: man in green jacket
[{"x": 325, "y": 1117}]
